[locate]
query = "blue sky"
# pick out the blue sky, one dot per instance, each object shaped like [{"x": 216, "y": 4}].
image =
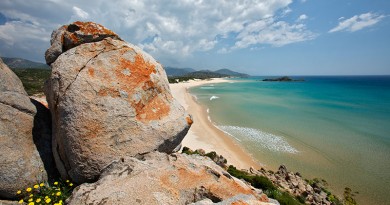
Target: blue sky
[{"x": 259, "y": 37}]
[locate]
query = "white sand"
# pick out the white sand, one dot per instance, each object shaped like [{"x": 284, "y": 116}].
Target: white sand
[{"x": 203, "y": 134}]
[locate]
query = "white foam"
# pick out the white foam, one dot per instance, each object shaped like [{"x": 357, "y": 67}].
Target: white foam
[
  {"x": 208, "y": 110},
  {"x": 214, "y": 97},
  {"x": 267, "y": 140},
  {"x": 206, "y": 88}
]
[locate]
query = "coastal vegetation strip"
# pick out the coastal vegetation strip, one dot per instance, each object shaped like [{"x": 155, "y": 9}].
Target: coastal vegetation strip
[{"x": 261, "y": 179}]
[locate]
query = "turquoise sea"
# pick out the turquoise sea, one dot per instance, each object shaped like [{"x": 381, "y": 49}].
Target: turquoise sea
[{"x": 335, "y": 128}]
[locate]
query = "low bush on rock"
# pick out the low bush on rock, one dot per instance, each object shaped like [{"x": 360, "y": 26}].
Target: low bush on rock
[{"x": 262, "y": 182}]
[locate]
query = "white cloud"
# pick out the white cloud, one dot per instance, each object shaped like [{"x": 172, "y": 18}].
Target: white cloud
[
  {"x": 357, "y": 22},
  {"x": 163, "y": 28},
  {"x": 302, "y": 17},
  {"x": 275, "y": 33},
  {"x": 79, "y": 13}
]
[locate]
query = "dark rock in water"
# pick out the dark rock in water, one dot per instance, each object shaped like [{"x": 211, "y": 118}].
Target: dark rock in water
[
  {"x": 283, "y": 79},
  {"x": 21, "y": 165},
  {"x": 108, "y": 99}
]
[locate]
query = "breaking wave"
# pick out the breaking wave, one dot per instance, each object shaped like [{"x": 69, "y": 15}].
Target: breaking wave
[
  {"x": 267, "y": 140},
  {"x": 214, "y": 97}
]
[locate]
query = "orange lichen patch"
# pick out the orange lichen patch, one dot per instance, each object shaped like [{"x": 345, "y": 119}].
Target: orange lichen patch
[
  {"x": 223, "y": 187},
  {"x": 93, "y": 28},
  {"x": 151, "y": 106},
  {"x": 109, "y": 92},
  {"x": 264, "y": 198},
  {"x": 73, "y": 38},
  {"x": 189, "y": 120},
  {"x": 154, "y": 109},
  {"x": 91, "y": 72},
  {"x": 140, "y": 70},
  {"x": 230, "y": 188},
  {"x": 239, "y": 203}
]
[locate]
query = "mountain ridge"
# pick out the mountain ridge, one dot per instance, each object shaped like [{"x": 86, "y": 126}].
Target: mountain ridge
[
  {"x": 17, "y": 63},
  {"x": 190, "y": 72}
]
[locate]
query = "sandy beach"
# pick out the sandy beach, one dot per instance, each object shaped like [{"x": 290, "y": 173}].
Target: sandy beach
[{"x": 203, "y": 134}]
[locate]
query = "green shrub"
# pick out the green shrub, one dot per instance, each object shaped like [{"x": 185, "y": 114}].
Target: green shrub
[{"x": 262, "y": 182}]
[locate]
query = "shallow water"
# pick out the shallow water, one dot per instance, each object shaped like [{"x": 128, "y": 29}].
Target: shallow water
[{"x": 336, "y": 128}]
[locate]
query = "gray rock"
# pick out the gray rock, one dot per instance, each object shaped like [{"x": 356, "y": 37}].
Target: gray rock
[
  {"x": 5, "y": 202},
  {"x": 108, "y": 100},
  {"x": 159, "y": 178},
  {"x": 21, "y": 165}
]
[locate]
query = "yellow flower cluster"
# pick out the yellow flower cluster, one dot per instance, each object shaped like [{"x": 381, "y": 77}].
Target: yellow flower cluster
[{"x": 41, "y": 194}]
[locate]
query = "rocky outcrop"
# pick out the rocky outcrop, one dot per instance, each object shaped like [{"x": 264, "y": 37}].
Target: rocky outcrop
[
  {"x": 108, "y": 100},
  {"x": 159, "y": 178},
  {"x": 20, "y": 162},
  {"x": 297, "y": 186},
  {"x": 72, "y": 35}
]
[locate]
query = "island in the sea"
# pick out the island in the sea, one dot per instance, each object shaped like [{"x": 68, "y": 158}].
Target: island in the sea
[{"x": 284, "y": 79}]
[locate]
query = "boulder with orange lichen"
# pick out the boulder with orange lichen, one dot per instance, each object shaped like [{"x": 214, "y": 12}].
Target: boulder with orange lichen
[
  {"x": 74, "y": 34},
  {"x": 108, "y": 99},
  {"x": 159, "y": 178}
]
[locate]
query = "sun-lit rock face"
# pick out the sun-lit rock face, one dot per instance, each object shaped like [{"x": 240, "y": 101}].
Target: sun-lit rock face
[
  {"x": 108, "y": 99},
  {"x": 20, "y": 163},
  {"x": 159, "y": 178}
]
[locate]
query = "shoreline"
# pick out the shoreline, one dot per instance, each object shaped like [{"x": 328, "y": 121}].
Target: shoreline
[{"x": 203, "y": 134}]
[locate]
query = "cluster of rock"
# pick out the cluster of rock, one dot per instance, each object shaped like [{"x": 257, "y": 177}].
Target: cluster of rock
[
  {"x": 114, "y": 124},
  {"x": 296, "y": 185}
]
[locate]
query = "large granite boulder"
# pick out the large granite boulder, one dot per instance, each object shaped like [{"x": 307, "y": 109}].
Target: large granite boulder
[
  {"x": 159, "y": 178},
  {"x": 108, "y": 100},
  {"x": 20, "y": 162}
]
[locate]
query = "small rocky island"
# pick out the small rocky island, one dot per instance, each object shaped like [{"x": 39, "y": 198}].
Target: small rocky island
[{"x": 283, "y": 79}]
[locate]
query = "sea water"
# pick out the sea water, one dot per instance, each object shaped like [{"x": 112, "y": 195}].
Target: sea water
[{"x": 335, "y": 128}]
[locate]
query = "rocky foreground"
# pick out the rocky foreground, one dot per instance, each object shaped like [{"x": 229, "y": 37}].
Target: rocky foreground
[{"x": 113, "y": 130}]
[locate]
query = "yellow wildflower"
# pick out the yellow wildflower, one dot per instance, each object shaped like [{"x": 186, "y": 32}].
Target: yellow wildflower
[
  {"x": 67, "y": 181},
  {"x": 38, "y": 200},
  {"x": 46, "y": 197},
  {"x": 21, "y": 201},
  {"x": 36, "y": 186},
  {"x": 41, "y": 184},
  {"x": 19, "y": 192},
  {"x": 31, "y": 195},
  {"x": 48, "y": 200},
  {"x": 28, "y": 189},
  {"x": 30, "y": 199},
  {"x": 31, "y": 203},
  {"x": 70, "y": 184},
  {"x": 60, "y": 202},
  {"x": 55, "y": 183},
  {"x": 58, "y": 193}
]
